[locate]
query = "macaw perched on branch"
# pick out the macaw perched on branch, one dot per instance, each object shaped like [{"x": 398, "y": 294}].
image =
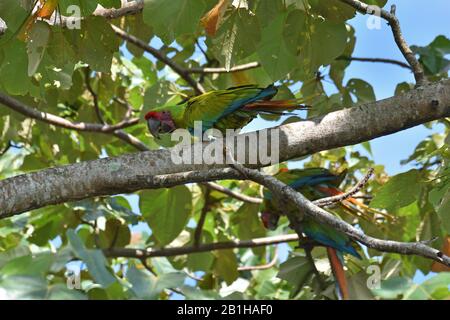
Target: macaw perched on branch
[
  {"x": 232, "y": 108},
  {"x": 335, "y": 242}
]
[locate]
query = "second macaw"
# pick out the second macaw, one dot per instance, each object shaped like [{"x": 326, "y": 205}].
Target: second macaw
[
  {"x": 232, "y": 108},
  {"x": 336, "y": 243}
]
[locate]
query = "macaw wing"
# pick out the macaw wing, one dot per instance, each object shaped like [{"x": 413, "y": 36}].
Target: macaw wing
[
  {"x": 212, "y": 106},
  {"x": 329, "y": 236},
  {"x": 299, "y": 178}
]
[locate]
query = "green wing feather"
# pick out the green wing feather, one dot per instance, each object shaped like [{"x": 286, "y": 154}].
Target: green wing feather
[{"x": 214, "y": 108}]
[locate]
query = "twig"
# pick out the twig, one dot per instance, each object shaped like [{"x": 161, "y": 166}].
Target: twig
[
  {"x": 206, "y": 247},
  {"x": 318, "y": 214},
  {"x": 247, "y": 66},
  {"x": 94, "y": 95},
  {"x": 382, "y": 60},
  {"x": 416, "y": 67},
  {"x": 341, "y": 197},
  {"x": 49, "y": 118},
  {"x": 266, "y": 266},
  {"x": 184, "y": 74},
  {"x": 231, "y": 193},
  {"x": 201, "y": 221}
]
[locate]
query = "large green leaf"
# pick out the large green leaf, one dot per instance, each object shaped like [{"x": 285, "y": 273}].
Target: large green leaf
[
  {"x": 98, "y": 44},
  {"x": 166, "y": 211},
  {"x": 94, "y": 259},
  {"x": 174, "y": 18},
  {"x": 36, "y": 45},
  {"x": 295, "y": 270},
  {"x": 276, "y": 58},
  {"x": 225, "y": 265},
  {"x": 23, "y": 287},
  {"x": 435, "y": 288},
  {"x": 400, "y": 191}
]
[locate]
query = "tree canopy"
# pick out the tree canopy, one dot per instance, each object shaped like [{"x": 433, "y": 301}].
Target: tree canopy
[{"x": 77, "y": 78}]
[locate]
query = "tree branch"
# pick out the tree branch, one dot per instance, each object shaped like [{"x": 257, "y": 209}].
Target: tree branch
[
  {"x": 181, "y": 71},
  {"x": 49, "y": 118},
  {"x": 201, "y": 221},
  {"x": 231, "y": 193},
  {"x": 416, "y": 67},
  {"x": 242, "y": 67},
  {"x": 176, "y": 251},
  {"x": 155, "y": 169},
  {"x": 266, "y": 266},
  {"x": 131, "y": 7},
  {"x": 382, "y": 60}
]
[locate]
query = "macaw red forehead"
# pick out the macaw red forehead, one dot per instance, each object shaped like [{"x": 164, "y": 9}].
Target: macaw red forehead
[
  {"x": 284, "y": 170},
  {"x": 153, "y": 114}
]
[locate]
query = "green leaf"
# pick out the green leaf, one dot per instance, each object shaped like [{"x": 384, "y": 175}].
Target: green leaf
[
  {"x": 334, "y": 10},
  {"x": 23, "y": 287},
  {"x": 427, "y": 289},
  {"x": 295, "y": 270},
  {"x": 362, "y": 90},
  {"x": 116, "y": 234},
  {"x": 248, "y": 225},
  {"x": 87, "y": 7},
  {"x": 276, "y": 58},
  {"x": 38, "y": 265},
  {"x": 379, "y": 3},
  {"x": 94, "y": 259},
  {"x": 225, "y": 265},
  {"x": 443, "y": 210},
  {"x": 393, "y": 287},
  {"x": 328, "y": 41},
  {"x": 433, "y": 56},
  {"x": 142, "y": 283},
  {"x": 237, "y": 38},
  {"x": 174, "y": 18},
  {"x": 357, "y": 287},
  {"x": 110, "y": 3},
  {"x": 166, "y": 211},
  {"x": 60, "y": 291},
  {"x": 400, "y": 191},
  {"x": 36, "y": 45},
  {"x": 14, "y": 70},
  {"x": 98, "y": 44}
]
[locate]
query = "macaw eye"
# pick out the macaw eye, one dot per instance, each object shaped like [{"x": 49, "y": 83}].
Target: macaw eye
[{"x": 164, "y": 128}]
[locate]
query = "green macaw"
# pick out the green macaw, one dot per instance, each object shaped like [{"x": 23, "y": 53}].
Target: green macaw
[
  {"x": 232, "y": 108},
  {"x": 336, "y": 242}
]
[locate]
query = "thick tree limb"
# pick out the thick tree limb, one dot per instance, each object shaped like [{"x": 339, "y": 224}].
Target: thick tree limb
[
  {"x": 417, "y": 69},
  {"x": 167, "y": 252},
  {"x": 155, "y": 169}
]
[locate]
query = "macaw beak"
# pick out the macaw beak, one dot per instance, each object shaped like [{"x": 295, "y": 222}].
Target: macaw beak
[{"x": 153, "y": 127}]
